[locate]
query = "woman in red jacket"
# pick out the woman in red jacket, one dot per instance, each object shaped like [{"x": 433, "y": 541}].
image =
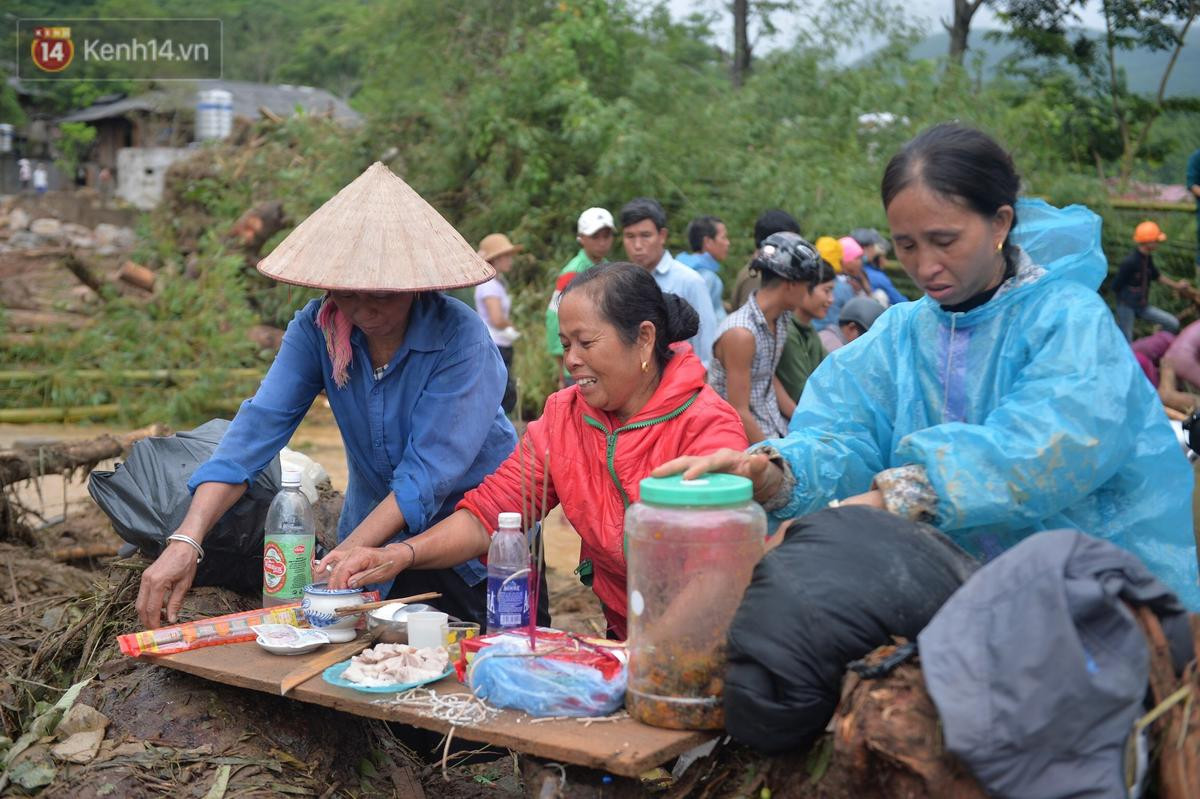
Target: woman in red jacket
[{"x": 639, "y": 399}]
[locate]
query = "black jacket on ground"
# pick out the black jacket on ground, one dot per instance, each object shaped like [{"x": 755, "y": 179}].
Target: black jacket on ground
[{"x": 842, "y": 583}]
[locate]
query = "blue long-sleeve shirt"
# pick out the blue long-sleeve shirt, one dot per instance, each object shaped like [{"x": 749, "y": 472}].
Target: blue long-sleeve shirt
[
  {"x": 707, "y": 267},
  {"x": 428, "y": 430},
  {"x": 843, "y": 292},
  {"x": 879, "y": 280},
  {"x": 678, "y": 279}
]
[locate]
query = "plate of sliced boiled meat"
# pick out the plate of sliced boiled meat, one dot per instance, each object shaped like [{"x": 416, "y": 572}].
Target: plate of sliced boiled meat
[{"x": 390, "y": 668}]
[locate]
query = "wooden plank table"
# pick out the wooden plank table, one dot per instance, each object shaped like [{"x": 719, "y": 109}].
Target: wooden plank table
[{"x": 626, "y": 747}]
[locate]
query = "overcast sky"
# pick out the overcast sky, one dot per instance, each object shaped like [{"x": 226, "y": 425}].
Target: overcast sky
[{"x": 928, "y": 11}]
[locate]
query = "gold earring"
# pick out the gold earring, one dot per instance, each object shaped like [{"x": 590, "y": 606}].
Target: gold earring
[
  {"x": 999, "y": 246},
  {"x": 645, "y": 365}
]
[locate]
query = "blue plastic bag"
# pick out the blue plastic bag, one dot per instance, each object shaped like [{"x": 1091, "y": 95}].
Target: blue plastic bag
[{"x": 505, "y": 675}]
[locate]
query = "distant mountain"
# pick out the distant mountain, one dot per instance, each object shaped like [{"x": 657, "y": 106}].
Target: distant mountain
[{"x": 1143, "y": 67}]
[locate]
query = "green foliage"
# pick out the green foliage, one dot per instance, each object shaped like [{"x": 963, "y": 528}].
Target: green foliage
[
  {"x": 302, "y": 163},
  {"x": 1115, "y": 123},
  {"x": 514, "y": 115},
  {"x": 551, "y": 108},
  {"x": 74, "y": 140},
  {"x": 10, "y": 109}
]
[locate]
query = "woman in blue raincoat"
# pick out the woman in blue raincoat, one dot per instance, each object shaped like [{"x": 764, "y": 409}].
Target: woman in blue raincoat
[{"x": 1002, "y": 403}]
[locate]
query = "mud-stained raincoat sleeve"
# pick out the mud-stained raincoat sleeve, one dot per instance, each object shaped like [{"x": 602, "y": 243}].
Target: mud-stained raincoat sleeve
[{"x": 839, "y": 436}]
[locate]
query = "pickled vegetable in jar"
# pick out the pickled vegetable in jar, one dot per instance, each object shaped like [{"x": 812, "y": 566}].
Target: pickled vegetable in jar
[{"x": 691, "y": 547}]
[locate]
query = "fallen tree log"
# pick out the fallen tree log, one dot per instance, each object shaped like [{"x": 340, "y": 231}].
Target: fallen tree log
[
  {"x": 26, "y": 462},
  {"x": 83, "y": 272},
  {"x": 136, "y": 275},
  {"x": 18, "y": 340},
  {"x": 252, "y": 229},
  {"x": 81, "y": 413}
]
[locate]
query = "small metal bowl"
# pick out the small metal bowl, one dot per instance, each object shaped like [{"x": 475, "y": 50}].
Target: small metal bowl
[{"x": 392, "y": 630}]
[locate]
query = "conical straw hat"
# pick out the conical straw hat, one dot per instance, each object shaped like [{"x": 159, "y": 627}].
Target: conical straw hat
[{"x": 377, "y": 234}]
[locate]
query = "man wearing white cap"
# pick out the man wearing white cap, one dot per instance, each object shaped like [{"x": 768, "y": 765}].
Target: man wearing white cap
[
  {"x": 594, "y": 232},
  {"x": 412, "y": 377}
]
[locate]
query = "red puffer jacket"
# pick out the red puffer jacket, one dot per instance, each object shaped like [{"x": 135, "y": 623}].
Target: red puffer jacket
[{"x": 596, "y": 464}]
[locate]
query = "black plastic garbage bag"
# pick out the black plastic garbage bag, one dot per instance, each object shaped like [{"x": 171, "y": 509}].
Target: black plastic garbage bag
[
  {"x": 842, "y": 583},
  {"x": 146, "y": 498}
]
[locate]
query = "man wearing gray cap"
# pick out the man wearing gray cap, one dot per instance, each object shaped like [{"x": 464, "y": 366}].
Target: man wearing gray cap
[
  {"x": 857, "y": 316},
  {"x": 594, "y": 232}
]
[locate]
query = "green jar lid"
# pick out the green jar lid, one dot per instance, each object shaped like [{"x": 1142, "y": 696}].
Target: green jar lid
[{"x": 711, "y": 489}]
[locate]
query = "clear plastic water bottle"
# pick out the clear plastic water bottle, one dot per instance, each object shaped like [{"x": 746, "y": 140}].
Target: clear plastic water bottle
[
  {"x": 508, "y": 576},
  {"x": 288, "y": 543}
]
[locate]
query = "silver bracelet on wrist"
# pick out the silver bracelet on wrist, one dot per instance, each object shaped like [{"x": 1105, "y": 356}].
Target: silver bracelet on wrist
[
  {"x": 191, "y": 541},
  {"x": 413, "y": 551}
]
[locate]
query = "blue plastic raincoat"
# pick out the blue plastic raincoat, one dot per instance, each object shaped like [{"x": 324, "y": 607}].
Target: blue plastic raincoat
[{"x": 1028, "y": 413}]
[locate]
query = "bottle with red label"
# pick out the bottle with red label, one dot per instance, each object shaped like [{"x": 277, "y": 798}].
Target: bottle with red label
[{"x": 288, "y": 543}]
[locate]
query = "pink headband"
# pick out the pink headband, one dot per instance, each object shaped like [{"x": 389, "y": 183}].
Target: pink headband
[{"x": 336, "y": 328}]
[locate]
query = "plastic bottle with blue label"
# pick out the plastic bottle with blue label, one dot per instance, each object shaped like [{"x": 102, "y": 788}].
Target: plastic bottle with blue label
[{"x": 508, "y": 576}]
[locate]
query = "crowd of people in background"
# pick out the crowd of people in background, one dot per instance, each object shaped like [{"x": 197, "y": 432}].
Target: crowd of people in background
[{"x": 760, "y": 346}]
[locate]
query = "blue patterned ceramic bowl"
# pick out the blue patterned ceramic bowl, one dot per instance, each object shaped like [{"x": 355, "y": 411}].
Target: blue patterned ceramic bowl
[{"x": 318, "y": 608}]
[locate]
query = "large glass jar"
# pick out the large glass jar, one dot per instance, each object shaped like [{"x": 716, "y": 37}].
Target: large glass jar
[{"x": 691, "y": 548}]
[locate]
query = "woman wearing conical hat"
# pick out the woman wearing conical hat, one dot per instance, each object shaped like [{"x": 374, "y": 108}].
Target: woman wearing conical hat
[{"x": 412, "y": 377}]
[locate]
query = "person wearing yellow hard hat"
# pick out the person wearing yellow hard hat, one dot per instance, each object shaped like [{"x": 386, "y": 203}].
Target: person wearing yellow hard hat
[{"x": 1132, "y": 283}]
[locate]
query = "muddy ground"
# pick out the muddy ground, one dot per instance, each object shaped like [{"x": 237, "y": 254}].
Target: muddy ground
[{"x": 64, "y": 599}]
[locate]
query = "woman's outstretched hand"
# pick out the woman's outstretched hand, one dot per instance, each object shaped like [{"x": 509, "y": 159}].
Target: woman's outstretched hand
[
  {"x": 166, "y": 580},
  {"x": 765, "y": 476}
]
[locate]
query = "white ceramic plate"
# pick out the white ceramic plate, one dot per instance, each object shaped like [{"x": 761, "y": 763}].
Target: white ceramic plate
[
  {"x": 284, "y": 639},
  {"x": 290, "y": 650}
]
